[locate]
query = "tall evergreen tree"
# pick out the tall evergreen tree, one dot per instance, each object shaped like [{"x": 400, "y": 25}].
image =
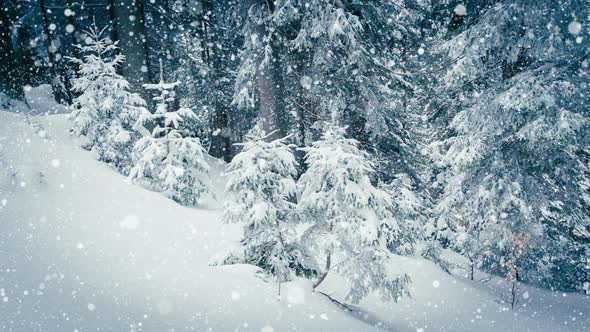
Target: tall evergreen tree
[
  {"x": 336, "y": 58},
  {"x": 512, "y": 123}
]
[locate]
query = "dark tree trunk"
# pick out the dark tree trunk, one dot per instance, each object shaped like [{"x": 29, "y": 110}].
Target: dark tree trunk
[
  {"x": 13, "y": 71},
  {"x": 271, "y": 115},
  {"x": 129, "y": 24},
  {"x": 60, "y": 75},
  {"x": 220, "y": 136}
]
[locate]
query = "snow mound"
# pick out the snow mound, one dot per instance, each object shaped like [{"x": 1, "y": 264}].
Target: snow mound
[{"x": 41, "y": 101}]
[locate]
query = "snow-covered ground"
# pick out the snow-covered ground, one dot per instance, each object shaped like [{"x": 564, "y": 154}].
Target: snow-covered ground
[
  {"x": 82, "y": 249},
  {"x": 38, "y": 101}
]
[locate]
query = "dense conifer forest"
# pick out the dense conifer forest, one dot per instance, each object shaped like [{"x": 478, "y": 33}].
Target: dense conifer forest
[{"x": 338, "y": 140}]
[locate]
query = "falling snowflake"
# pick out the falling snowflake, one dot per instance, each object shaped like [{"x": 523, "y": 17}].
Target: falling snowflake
[
  {"x": 460, "y": 10},
  {"x": 574, "y": 27}
]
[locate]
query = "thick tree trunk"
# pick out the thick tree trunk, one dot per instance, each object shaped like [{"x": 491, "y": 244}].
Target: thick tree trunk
[
  {"x": 12, "y": 70},
  {"x": 72, "y": 22},
  {"x": 220, "y": 136},
  {"x": 56, "y": 50},
  {"x": 130, "y": 31},
  {"x": 269, "y": 78}
]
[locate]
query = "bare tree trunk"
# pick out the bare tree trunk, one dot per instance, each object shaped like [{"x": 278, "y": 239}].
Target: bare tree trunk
[
  {"x": 60, "y": 80},
  {"x": 513, "y": 294},
  {"x": 130, "y": 30},
  {"x": 16, "y": 64},
  {"x": 269, "y": 78},
  {"x": 72, "y": 22},
  {"x": 306, "y": 115},
  {"x": 220, "y": 136}
]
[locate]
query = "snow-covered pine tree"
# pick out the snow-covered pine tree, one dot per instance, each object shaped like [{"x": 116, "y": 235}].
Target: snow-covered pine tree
[
  {"x": 350, "y": 222},
  {"x": 105, "y": 110},
  {"x": 260, "y": 193},
  {"x": 511, "y": 153},
  {"x": 168, "y": 160}
]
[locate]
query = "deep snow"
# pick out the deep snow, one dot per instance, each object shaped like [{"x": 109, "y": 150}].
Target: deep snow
[{"x": 82, "y": 249}]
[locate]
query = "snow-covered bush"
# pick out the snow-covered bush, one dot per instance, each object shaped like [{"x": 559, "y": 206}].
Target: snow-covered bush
[
  {"x": 350, "y": 221},
  {"x": 105, "y": 110},
  {"x": 167, "y": 160},
  {"x": 260, "y": 193}
]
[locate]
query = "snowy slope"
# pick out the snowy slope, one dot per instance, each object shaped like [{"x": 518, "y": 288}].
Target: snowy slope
[{"x": 82, "y": 249}]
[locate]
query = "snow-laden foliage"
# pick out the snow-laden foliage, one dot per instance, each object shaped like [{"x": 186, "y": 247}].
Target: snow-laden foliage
[
  {"x": 168, "y": 160},
  {"x": 260, "y": 193},
  {"x": 334, "y": 60},
  {"x": 511, "y": 153},
  {"x": 409, "y": 209},
  {"x": 203, "y": 55},
  {"x": 105, "y": 110},
  {"x": 350, "y": 219}
]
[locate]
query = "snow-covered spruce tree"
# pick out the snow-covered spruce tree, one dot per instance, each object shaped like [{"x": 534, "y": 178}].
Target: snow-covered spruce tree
[
  {"x": 167, "y": 160},
  {"x": 105, "y": 110},
  {"x": 511, "y": 153},
  {"x": 351, "y": 226},
  {"x": 260, "y": 193},
  {"x": 339, "y": 58}
]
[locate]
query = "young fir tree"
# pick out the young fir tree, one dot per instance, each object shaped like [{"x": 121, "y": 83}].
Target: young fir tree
[
  {"x": 105, "y": 110},
  {"x": 168, "y": 160},
  {"x": 351, "y": 226},
  {"x": 260, "y": 193}
]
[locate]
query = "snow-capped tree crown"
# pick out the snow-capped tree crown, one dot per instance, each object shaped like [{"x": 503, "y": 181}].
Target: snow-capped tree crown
[
  {"x": 262, "y": 171},
  {"x": 350, "y": 221},
  {"x": 337, "y": 178},
  {"x": 168, "y": 160},
  {"x": 103, "y": 92},
  {"x": 105, "y": 109},
  {"x": 260, "y": 193},
  {"x": 511, "y": 147}
]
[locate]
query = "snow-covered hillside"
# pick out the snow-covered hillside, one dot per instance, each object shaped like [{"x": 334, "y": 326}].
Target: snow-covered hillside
[{"x": 82, "y": 249}]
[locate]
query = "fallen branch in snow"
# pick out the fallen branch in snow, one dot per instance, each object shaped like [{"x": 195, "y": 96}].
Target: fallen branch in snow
[
  {"x": 361, "y": 314},
  {"x": 338, "y": 303},
  {"x": 486, "y": 279}
]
